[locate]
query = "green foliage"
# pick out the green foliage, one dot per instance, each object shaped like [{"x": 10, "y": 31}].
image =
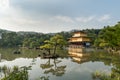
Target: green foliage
[
  {"x": 100, "y": 75},
  {"x": 92, "y": 33},
  {"x": 46, "y": 46},
  {"x": 109, "y": 37},
  {"x": 10, "y": 39},
  {"x": 54, "y": 42},
  {"x": 58, "y": 40},
  {"x": 33, "y": 39},
  {"x": 16, "y": 39},
  {"x": 104, "y": 76},
  {"x": 16, "y": 73},
  {"x": 66, "y": 35}
]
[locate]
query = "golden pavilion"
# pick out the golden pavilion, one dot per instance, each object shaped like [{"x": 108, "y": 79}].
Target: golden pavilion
[{"x": 79, "y": 39}]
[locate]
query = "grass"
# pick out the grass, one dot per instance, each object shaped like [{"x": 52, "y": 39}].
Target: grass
[
  {"x": 14, "y": 73},
  {"x": 97, "y": 75}
]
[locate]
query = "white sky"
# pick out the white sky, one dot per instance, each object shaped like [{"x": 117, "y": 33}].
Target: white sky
[{"x": 57, "y": 15}]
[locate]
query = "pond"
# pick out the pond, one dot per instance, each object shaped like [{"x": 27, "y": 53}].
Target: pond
[{"x": 63, "y": 68}]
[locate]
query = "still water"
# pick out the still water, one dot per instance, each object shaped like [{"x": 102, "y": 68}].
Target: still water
[{"x": 65, "y": 68}]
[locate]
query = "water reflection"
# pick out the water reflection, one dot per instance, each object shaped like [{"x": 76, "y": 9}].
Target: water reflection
[
  {"x": 7, "y": 53},
  {"x": 79, "y": 55},
  {"x": 110, "y": 60},
  {"x": 63, "y": 68},
  {"x": 53, "y": 68}
]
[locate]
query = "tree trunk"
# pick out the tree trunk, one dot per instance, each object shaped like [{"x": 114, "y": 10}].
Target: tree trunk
[
  {"x": 55, "y": 49},
  {"x": 109, "y": 50},
  {"x": 49, "y": 51}
]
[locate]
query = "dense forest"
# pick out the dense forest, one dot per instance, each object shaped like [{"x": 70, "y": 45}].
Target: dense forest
[
  {"x": 34, "y": 39},
  {"x": 107, "y": 37}
]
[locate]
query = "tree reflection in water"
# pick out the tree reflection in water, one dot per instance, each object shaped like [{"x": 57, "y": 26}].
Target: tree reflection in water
[
  {"x": 43, "y": 78},
  {"x": 53, "y": 68}
]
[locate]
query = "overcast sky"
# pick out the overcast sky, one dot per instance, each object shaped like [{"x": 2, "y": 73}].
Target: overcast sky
[{"x": 57, "y": 15}]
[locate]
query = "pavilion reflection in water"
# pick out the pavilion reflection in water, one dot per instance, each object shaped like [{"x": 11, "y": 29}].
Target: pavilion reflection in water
[{"x": 79, "y": 55}]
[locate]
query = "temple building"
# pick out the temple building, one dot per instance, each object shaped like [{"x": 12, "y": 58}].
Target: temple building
[{"x": 79, "y": 39}]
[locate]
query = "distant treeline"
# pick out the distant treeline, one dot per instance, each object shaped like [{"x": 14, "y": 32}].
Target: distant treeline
[
  {"x": 34, "y": 39},
  {"x": 109, "y": 36}
]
